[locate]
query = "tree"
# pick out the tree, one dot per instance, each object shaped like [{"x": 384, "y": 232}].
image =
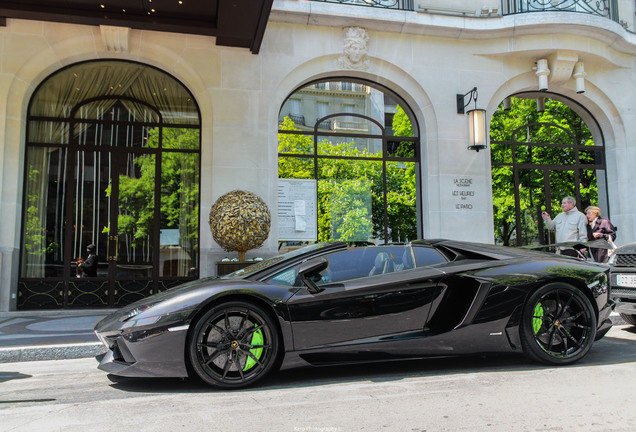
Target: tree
[
  {"x": 179, "y": 199},
  {"x": 562, "y": 129},
  {"x": 401, "y": 185},
  {"x": 36, "y": 243},
  {"x": 351, "y": 182}
]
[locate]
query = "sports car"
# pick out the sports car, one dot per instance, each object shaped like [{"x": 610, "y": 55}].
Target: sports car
[
  {"x": 623, "y": 281},
  {"x": 331, "y": 303}
]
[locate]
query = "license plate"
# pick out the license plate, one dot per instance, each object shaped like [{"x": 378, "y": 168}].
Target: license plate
[{"x": 626, "y": 280}]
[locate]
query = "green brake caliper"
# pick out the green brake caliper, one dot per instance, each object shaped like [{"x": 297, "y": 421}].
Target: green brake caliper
[
  {"x": 537, "y": 321},
  {"x": 257, "y": 339}
]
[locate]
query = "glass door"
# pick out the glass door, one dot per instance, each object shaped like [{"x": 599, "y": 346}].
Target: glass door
[
  {"x": 112, "y": 160},
  {"x": 113, "y": 209},
  {"x": 89, "y": 212},
  {"x": 133, "y": 232}
]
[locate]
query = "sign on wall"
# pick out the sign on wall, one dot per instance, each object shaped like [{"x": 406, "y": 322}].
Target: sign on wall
[
  {"x": 169, "y": 237},
  {"x": 297, "y": 210},
  {"x": 463, "y": 193}
]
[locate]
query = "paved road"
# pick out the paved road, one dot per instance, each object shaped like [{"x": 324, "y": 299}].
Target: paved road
[{"x": 502, "y": 393}]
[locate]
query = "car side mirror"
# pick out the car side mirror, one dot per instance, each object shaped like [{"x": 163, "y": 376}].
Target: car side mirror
[{"x": 311, "y": 268}]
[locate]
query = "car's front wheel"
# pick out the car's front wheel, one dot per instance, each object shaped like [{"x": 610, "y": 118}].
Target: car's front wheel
[
  {"x": 233, "y": 345},
  {"x": 558, "y": 324}
]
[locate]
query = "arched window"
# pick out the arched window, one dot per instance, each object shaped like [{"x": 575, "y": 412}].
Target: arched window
[
  {"x": 541, "y": 151},
  {"x": 348, "y": 168},
  {"x": 112, "y": 159}
]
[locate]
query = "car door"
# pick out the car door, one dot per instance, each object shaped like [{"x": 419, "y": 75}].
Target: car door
[{"x": 368, "y": 306}]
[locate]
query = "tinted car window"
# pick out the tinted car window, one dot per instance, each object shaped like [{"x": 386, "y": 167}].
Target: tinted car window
[
  {"x": 369, "y": 261},
  {"x": 358, "y": 262},
  {"x": 286, "y": 277},
  {"x": 350, "y": 264},
  {"x": 425, "y": 256},
  {"x": 263, "y": 265}
]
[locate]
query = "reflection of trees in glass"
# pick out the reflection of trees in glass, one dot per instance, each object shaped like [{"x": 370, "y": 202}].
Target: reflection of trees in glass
[
  {"x": 401, "y": 188},
  {"x": 180, "y": 185},
  {"x": 136, "y": 200},
  {"x": 401, "y": 204},
  {"x": 179, "y": 190},
  {"x": 402, "y": 127},
  {"x": 36, "y": 244},
  {"x": 348, "y": 187},
  {"x": 347, "y": 191},
  {"x": 558, "y": 124}
]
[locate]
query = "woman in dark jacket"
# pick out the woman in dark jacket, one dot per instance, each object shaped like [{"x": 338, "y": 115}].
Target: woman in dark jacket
[{"x": 599, "y": 228}]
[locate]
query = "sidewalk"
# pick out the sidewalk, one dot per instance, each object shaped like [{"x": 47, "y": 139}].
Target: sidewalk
[
  {"x": 62, "y": 334},
  {"x": 49, "y": 335}
]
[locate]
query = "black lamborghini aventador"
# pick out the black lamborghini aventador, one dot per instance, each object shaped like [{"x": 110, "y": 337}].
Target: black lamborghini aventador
[{"x": 330, "y": 303}]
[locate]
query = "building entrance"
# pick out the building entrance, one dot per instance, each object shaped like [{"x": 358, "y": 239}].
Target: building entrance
[
  {"x": 535, "y": 163},
  {"x": 115, "y": 171}
]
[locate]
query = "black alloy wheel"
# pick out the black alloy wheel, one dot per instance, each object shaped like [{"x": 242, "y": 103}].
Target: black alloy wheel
[
  {"x": 558, "y": 325},
  {"x": 233, "y": 345}
]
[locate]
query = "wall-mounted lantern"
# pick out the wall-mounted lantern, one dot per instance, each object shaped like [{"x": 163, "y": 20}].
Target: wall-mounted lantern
[{"x": 476, "y": 120}]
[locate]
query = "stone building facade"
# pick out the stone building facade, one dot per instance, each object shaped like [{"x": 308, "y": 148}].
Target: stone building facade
[{"x": 425, "y": 56}]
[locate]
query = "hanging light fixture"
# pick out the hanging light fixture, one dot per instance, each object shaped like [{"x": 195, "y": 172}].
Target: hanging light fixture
[
  {"x": 540, "y": 105},
  {"x": 476, "y": 120}
]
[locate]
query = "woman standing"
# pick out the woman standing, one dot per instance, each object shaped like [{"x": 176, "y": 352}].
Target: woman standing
[{"x": 599, "y": 228}]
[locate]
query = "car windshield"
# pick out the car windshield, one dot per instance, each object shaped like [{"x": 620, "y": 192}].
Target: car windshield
[{"x": 262, "y": 265}]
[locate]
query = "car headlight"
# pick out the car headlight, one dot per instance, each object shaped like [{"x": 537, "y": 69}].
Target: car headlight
[
  {"x": 612, "y": 259},
  {"x": 136, "y": 311}
]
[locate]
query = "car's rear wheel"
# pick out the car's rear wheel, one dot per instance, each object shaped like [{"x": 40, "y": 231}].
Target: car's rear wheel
[
  {"x": 558, "y": 324},
  {"x": 234, "y": 344},
  {"x": 629, "y": 319}
]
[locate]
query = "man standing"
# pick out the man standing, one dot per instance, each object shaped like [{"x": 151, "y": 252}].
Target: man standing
[{"x": 570, "y": 226}]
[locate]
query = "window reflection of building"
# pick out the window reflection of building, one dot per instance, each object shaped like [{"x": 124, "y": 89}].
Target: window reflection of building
[{"x": 353, "y": 127}]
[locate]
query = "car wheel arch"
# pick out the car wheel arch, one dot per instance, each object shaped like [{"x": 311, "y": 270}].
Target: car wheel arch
[
  {"x": 205, "y": 307},
  {"x": 576, "y": 283},
  {"x": 515, "y": 317},
  {"x": 544, "y": 289}
]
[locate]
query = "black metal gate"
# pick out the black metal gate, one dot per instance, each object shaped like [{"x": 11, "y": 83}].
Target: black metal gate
[{"x": 542, "y": 163}]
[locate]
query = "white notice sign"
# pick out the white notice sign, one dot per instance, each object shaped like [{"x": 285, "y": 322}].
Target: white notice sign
[{"x": 297, "y": 210}]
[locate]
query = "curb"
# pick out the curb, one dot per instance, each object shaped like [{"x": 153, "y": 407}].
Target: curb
[{"x": 51, "y": 352}]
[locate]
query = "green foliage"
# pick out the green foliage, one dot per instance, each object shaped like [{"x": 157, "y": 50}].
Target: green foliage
[
  {"x": 351, "y": 185},
  {"x": 35, "y": 241},
  {"x": 349, "y": 204},
  {"x": 179, "y": 189},
  {"x": 560, "y": 128},
  {"x": 402, "y": 123},
  {"x": 402, "y": 126}
]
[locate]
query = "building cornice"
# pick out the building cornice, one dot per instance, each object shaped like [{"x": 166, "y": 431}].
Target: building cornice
[{"x": 581, "y": 25}]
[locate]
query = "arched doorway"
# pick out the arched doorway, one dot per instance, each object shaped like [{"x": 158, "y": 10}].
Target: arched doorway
[
  {"x": 112, "y": 159},
  {"x": 354, "y": 145},
  {"x": 541, "y": 151}
]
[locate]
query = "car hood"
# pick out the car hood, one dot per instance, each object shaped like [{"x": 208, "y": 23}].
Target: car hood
[
  {"x": 177, "y": 305},
  {"x": 627, "y": 249}
]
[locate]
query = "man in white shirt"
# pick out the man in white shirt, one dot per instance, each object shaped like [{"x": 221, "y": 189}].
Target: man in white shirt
[{"x": 570, "y": 226}]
